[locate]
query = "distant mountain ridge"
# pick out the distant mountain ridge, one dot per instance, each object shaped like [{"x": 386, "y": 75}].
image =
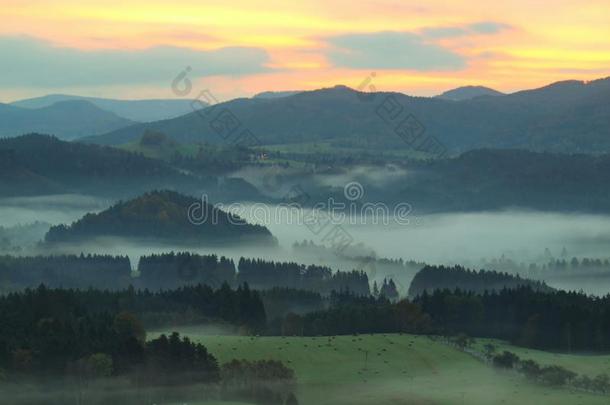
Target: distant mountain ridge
[
  {"x": 134, "y": 110},
  {"x": 66, "y": 119},
  {"x": 563, "y": 117},
  {"x": 468, "y": 93}
]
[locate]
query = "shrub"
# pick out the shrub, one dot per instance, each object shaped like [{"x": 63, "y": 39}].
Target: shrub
[
  {"x": 556, "y": 375},
  {"x": 583, "y": 382},
  {"x": 292, "y": 400},
  {"x": 263, "y": 381},
  {"x": 490, "y": 350},
  {"x": 505, "y": 360},
  {"x": 601, "y": 383},
  {"x": 175, "y": 361},
  {"x": 100, "y": 365},
  {"x": 463, "y": 341},
  {"x": 530, "y": 368}
]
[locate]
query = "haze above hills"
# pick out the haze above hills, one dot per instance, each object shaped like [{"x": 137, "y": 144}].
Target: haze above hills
[
  {"x": 70, "y": 117},
  {"x": 67, "y": 119},
  {"x": 134, "y": 110}
]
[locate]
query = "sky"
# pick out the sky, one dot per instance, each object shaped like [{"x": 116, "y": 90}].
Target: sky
[{"x": 137, "y": 49}]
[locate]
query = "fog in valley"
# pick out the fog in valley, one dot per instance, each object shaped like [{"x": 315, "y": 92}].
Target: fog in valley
[
  {"x": 475, "y": 240},
  {"x": 53, "y": 209}
]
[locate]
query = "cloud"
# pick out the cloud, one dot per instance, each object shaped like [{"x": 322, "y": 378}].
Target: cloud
[
  {"x": 478, "y": 28},
  {"x": 488, "y": 27},
  {"x": 391, "y": 50},
  {"x": 444, "y": 32},
  {"x": 31, "y": 62}
]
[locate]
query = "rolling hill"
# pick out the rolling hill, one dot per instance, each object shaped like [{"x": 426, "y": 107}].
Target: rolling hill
[
  {"x": 468, "y": 93},
  {"x": 501, "y": 179},
  {"x": 388, "y": 370},
  {"x": 164, "y": 216},
  {"x": 432, "y": 278},
  {"x": 36, "y": 164},
  {"x": 40, "y": 164},
  {"x": 66, "y": 120},
  {"x": 562, "y": 117},
  {"x": 486, "y": 180},
  {"x": 134, "y": 110}
]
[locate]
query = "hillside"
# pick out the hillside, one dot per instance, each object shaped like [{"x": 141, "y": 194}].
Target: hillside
[
  {"x": 386, "y": 370},
  {"x": 478, "y": 180},
  {"x": 502, "y": 179},
  {"x": 164, "y": 216},
  {"x": 155, "y": 145},
  {"x": 134, "y": 110},
  {"x": 40, "y": 164},
  {"x": 66, "y": 120},
  {"x": 432, "y": 278},
  {"x": 562, "y": 117}
]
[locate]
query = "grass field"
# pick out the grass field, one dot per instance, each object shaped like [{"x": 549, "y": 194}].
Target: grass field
[
  {"x": 589, "y": 364},
  {"x": 209, "y": 403},
  {"x": 399, "y": 369}
]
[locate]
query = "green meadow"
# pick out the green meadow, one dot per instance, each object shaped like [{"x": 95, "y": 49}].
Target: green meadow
[
  {"x": 388, "y": 369},
  {"x": 581, "y": 363}
]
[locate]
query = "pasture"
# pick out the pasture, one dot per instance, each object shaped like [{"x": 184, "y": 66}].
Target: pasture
[{"x": 387, "y": 369}]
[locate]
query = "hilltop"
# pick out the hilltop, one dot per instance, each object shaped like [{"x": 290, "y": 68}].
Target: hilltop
[{"x": 165, "y": 216}]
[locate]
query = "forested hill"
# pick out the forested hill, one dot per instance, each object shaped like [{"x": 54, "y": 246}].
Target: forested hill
[
  {"x": 485, "y": 180},
  {"x": 490, "y": 179},
  {"x": 37, "y": 164},
  {"x": 165, "y": 216},
  {"x": 562, "y": 117},
  {"x": 432, "y": 278}
]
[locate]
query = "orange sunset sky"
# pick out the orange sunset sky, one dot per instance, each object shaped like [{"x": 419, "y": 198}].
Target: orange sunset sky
[{"x": 134, "y": 49}]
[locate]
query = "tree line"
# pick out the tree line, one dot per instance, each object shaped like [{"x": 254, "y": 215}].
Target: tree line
[
  {"x": 70, "y": 271},
  {"x": 50, "y": 327},
  {"x": 173, "y": 270},
  {"x": 556, "y": 320},
  {"x": 538, "y": 318},
  {"x": 552, "y": 375},
  {"x": 349, "y": 314},
  {"x": 431, "y": 278},
  {"x": 82, "y": 336},
  {"x": 261, "y": 274},
  {"x": 564, "y": 266}
]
